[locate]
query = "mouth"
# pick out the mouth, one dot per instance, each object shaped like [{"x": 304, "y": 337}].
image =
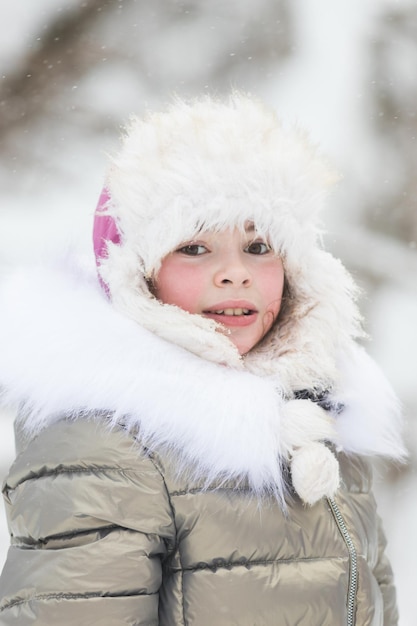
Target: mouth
[
  {"x": 231, "y": 312},
  {"x": 232, "y": 317}
]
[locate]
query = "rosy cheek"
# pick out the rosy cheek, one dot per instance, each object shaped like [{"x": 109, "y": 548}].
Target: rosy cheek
[
  {"x": 273, "y": 286},
  {"x": 179, "y": 285},
  {"x": 274, "y": 306}
]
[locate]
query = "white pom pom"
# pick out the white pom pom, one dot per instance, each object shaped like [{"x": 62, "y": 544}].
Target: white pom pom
[{"x": 315, "y": 472}]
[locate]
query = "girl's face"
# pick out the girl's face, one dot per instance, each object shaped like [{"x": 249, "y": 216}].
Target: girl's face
[{"x": 232, "y": 277}]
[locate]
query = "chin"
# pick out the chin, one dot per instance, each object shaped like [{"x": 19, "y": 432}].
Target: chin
[
  {"x": 245, "y": 342},
  {"x": 244, "y": 347}
]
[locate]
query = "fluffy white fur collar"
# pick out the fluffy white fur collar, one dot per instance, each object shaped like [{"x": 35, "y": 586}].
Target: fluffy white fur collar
[{"x": 64, "y": 349}]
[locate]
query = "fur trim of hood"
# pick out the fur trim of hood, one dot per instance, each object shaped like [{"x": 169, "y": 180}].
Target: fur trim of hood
[
  {"x": 214, "y": 165},
  {"x": 65, "y": 350}
]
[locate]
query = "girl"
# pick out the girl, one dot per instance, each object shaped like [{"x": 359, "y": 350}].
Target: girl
[{"x": 194, "y": 434}]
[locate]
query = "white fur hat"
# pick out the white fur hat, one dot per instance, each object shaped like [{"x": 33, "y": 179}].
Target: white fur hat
[{"x": 212, "y": 165}]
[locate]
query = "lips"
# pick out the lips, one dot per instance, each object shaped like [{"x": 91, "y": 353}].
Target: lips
[{"x": 233, "y": 313}]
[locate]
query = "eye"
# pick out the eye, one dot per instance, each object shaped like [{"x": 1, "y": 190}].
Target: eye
[
  {"x": 257, "y": 247},
  {"x": 193, "y": 249}
]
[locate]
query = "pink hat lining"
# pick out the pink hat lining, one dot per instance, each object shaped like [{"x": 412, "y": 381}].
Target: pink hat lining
[{"x": 104, "y": 230}]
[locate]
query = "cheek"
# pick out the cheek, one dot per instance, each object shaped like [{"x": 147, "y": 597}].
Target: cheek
[
  {"x": 272, "y": 286},
  {"x": 179, "y": 285}
]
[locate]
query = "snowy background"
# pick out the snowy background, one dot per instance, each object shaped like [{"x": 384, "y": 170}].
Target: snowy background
[{"x": 72, "y": 72}]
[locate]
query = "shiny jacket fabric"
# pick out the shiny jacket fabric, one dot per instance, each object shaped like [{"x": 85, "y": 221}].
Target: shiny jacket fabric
[{"x": 106, "y": 533}]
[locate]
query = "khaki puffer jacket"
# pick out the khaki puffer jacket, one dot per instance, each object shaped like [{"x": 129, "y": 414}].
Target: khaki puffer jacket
[{"x": 104, "y": 533}]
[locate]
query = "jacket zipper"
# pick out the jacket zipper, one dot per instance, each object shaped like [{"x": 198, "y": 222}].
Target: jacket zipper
[{"x": 353, "y": 562}]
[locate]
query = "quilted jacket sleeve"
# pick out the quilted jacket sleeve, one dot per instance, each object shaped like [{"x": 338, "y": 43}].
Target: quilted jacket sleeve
[
  {"x": 384, "y": 576},
  {"x": 90, "y": 521}
]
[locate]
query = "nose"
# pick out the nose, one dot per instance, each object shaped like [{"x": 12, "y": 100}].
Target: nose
[{"x": 233, "y": 271}]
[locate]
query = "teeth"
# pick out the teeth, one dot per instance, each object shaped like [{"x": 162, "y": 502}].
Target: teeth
[{"x": 233, "y": 312}]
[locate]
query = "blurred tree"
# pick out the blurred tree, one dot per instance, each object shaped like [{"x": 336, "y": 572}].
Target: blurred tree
[
  {"x": 158, "y": 47},
  {"x": 60, "y": 55},
  {"x": 395, "y": 104},
  {"x": 385, "y": 234}
]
